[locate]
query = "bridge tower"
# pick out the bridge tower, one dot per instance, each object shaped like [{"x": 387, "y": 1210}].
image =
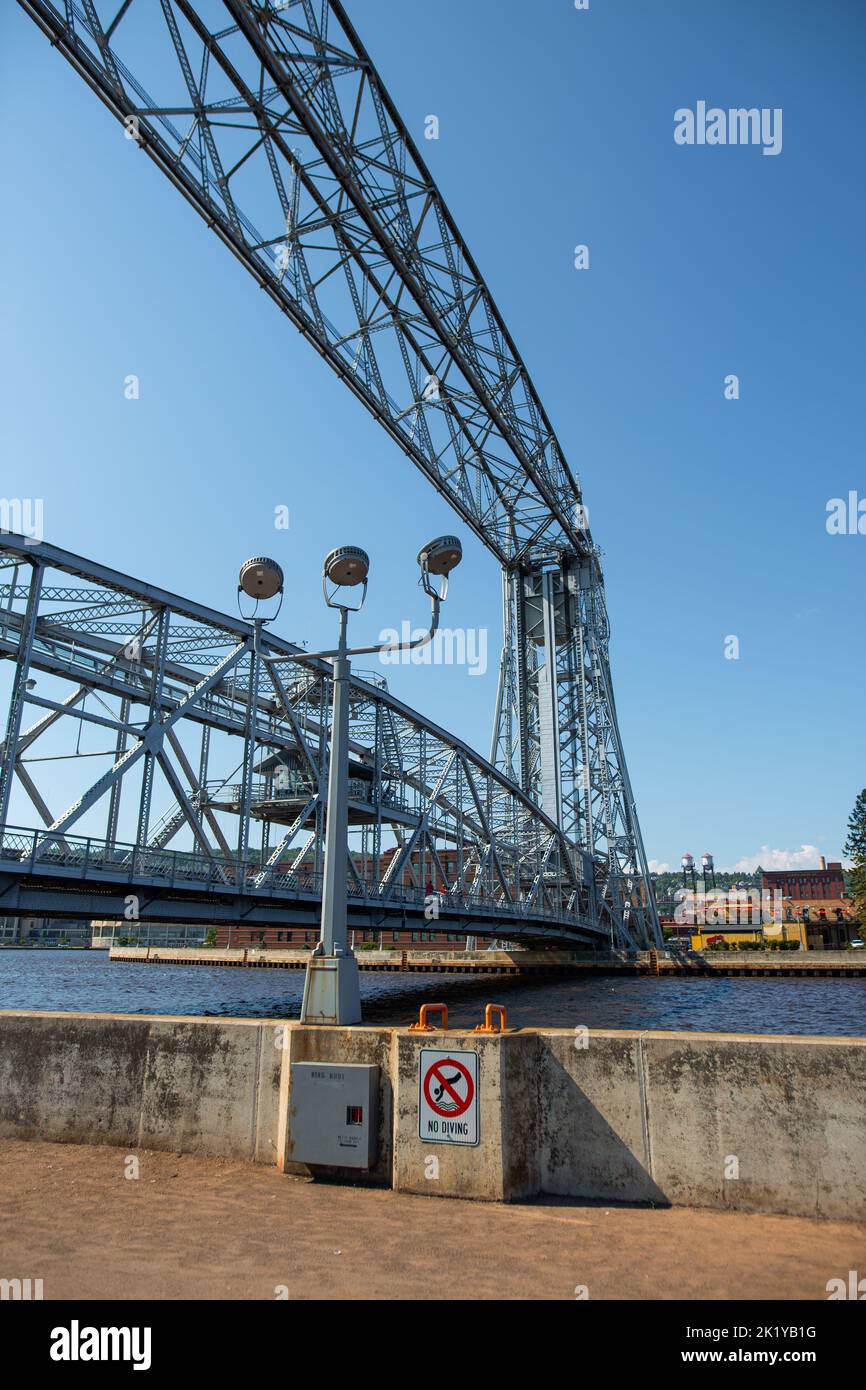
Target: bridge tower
[{"x": 272, "y": 121}]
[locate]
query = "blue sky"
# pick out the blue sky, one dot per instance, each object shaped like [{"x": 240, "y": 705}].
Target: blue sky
[{"x": 556, "y": 128}]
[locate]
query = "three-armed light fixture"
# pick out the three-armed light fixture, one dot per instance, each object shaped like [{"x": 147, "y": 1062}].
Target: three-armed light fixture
[{"x": 331, "y": 989}]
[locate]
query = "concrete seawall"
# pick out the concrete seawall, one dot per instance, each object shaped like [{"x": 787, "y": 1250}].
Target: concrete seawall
[
  {"x": 730, "y": 1121},
  {"x": 770, "y": 964},
  {"x": 190, "y": 1085}
]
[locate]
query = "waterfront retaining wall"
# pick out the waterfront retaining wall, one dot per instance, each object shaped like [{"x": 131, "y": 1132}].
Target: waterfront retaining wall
[
  {"x": 754, "y": 1123},
  {"x": 205, "y": 1086},
  {"x": 730, "y": 1121}
]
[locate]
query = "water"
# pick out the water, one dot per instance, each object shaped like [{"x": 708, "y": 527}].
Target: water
[{"x": 88, "y": 981}]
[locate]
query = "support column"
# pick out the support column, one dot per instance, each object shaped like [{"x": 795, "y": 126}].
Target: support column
[
  {"x": 548, "y": 705},
  {"x": 331, "y": 989}
]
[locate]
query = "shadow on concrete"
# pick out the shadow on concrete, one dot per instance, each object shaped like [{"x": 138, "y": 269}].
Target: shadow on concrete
[{"x": 582, "y": 1158}]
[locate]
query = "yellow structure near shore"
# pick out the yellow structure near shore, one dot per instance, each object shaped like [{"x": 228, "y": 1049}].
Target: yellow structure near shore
[{"x": 766, "y": 934}]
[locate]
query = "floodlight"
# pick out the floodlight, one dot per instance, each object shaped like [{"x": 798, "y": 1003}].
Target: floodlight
[
  {"x": 346, "y": 566},
  {"x": 439, "y": 558},
  {"x": 260, "y": 578}
]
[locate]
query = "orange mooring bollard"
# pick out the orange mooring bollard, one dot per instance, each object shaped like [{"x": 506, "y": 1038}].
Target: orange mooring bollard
[
  {"x": 487, "y": 1026},
  {"x": 422, "y": 1026}
]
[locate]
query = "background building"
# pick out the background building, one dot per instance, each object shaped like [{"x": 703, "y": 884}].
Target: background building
[
  {"x": 43, "y": 931},
  {"x": 817, "y": 899}
]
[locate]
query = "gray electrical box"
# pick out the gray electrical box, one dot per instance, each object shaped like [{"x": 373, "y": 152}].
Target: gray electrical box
[{"x": 333, "y": 1117}]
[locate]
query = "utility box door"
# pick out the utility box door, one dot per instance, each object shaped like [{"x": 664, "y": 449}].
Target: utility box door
[{"x": 333, "y": 1116}]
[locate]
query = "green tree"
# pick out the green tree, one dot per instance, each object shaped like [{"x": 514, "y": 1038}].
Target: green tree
[{"x": 855, "y": 848}]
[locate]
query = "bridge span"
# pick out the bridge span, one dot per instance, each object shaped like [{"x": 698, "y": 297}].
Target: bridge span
[{"x": 157, "y": 766}]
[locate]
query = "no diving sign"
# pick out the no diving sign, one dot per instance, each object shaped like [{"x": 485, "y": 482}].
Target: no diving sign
[{"x": 448, "y": 1097}]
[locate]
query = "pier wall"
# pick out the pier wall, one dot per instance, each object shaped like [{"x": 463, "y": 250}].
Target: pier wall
[
  {"x": 733, "y": 1121},
  {"x": 189, "y": 1085},
  {"x": 729, "y": 1121},
  {"x": 697, "y": 965}
]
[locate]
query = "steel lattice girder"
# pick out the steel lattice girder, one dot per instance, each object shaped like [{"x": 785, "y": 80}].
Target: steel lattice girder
[
  {"x": 556, "y": 733},
  {"x": 497, "y": 862},
  {"x": 277, "y": 128},
  {"x": 292, "y": 152}
]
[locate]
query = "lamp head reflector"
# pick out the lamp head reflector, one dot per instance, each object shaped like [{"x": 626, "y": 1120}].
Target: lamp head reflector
[
  {"x": 346, "y": 566},
  {"x": 441, "y": 556},
  {"x": 260, "y": 578}
]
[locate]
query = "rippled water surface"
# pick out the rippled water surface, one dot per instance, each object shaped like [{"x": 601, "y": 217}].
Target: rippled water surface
[{"x": 88, "y": 981}]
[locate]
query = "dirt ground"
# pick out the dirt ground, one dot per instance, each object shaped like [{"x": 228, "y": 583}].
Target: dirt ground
[{"x": 206, "y": 1228}]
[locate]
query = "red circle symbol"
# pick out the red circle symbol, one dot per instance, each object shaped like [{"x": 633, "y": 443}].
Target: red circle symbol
[{"x": 446, "y": 1087}]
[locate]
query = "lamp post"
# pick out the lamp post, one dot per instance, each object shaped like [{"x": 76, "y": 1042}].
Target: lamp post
[
  {"x": 331, "y": 988},
  {"x": 261, "y": 579}
]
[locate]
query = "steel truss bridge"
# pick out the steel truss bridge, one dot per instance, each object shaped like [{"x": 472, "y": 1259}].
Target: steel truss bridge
[
  {"x": 207, "y": 738},
  {"x": 270, "y": 118}
]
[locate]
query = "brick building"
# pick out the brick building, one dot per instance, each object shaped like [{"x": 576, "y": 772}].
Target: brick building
[{"x": 817, "y": 898}]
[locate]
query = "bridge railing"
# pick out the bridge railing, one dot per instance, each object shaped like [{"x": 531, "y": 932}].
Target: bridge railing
[
  {"x": 85, "y": 857},
  {"x": 296, "y": 787}
]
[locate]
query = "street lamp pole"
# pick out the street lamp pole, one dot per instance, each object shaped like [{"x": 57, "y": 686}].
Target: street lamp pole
[
  {"x": 334, "y": 931},
  {"x": 331, "y": 989},
  {"x": 332, "y": 992}
]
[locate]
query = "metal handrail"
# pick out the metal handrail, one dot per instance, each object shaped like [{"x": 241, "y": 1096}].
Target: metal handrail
[{"x": 84, "y": 856}]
